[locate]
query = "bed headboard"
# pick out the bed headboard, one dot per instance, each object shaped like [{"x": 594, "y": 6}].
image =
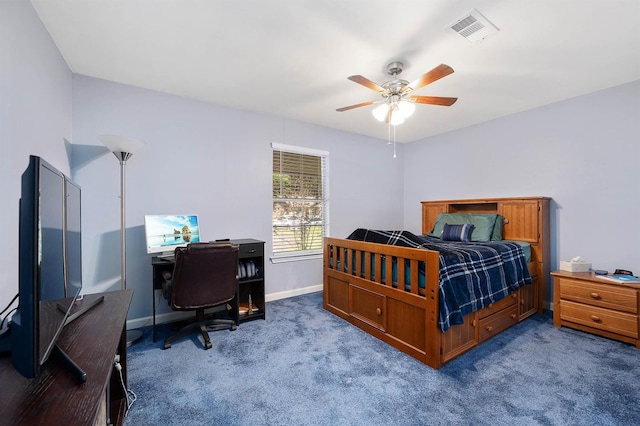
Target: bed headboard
[{"x": 525, "y": 219}]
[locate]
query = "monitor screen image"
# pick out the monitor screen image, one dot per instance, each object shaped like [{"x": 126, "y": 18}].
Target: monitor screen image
[{"x": 166, "y": 232}]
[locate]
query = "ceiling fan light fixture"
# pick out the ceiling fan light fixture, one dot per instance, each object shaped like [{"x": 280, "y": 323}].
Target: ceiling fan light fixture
[
  {"x": 406, "y": 108},
  {"x": 399, "y": 111},
  {"x": 396, "y": 119},
  {"x": 380, "y": 113}
]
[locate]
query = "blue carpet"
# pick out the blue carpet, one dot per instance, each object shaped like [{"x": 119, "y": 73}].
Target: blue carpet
[{"x": 304, "y": 366}]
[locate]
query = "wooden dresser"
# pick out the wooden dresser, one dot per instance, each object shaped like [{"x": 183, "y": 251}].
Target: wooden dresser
[{"x": 585, "y": 302}]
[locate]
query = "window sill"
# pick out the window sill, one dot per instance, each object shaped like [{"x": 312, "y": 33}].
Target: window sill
[{"x": 295, "y": 258}]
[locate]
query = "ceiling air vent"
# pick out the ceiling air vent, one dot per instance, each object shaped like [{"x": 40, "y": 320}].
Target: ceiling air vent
[{"x": 474, "y": 27}]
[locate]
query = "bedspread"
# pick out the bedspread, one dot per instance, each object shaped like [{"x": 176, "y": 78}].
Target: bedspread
[{"x": 472, "y": 275}]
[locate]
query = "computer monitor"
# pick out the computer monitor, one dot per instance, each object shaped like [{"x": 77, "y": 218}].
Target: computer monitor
[{"x": 166, "y": 232}]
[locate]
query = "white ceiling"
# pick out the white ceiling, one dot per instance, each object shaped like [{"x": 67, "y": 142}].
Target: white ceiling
[{"x": 292, "y": 58}]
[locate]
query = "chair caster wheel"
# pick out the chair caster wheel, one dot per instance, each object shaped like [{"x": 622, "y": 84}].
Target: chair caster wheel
[
  {"x": 234, "y": 327},
  {"x": 167, "y": 345},
  {"x": 208, "y": 345}
]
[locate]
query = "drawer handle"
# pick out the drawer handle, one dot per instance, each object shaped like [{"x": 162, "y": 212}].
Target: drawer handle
[
  {"x": 596, "y": 318},
  {"x": 473, "y": 323},
  {"x": 489, "y": 328},
  {"x": 252, "y": 251},
  {"x": 378, "y": 311},
  {"x": 595, "y": 295},
  {"x": 490, "y": 306},
  {"x": 513, "y": 316}
]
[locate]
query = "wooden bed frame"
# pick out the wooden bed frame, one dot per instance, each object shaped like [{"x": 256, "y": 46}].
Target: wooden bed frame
[{"x": 408, "y": 320}]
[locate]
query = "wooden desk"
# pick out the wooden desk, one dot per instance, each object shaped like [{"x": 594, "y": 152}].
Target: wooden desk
[
  {"x": 54, "y": 397},
  {"x": 249, "y": 250}
]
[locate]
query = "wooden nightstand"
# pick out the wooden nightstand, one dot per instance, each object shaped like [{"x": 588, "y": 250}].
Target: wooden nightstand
[{"x": 585, "y": 302}]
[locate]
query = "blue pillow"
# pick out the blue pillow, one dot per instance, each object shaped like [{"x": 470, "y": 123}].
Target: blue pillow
[
  {"x": 483, "y": 223},
  {"x": 457, "y": 232}
]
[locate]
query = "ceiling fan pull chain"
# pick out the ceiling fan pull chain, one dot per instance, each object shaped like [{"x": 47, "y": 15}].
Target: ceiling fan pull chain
[{"x": 394, "y": 141}]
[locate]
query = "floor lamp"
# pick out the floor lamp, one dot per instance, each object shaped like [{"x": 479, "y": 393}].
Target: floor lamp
[{"x": 123, "y": 148}]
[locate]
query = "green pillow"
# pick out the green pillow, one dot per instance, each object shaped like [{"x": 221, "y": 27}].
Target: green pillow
[
  {"x": 483, "y": 224},
  {"x": 496, "y": 235}
]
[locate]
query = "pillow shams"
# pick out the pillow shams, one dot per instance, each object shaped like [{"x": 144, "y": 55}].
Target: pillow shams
[
  {"x": 483, "y": 224},
  {"x": 457, "y": 232},
  {"x": 496, "y": 235}
]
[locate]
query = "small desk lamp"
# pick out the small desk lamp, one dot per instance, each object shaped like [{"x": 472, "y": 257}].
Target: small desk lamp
[{"x": 123, "y": 148}]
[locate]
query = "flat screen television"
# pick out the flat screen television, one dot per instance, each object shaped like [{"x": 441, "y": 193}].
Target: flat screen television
[
  {"x": 50, "y": 265},
  {"x": 166, "y": 232}
]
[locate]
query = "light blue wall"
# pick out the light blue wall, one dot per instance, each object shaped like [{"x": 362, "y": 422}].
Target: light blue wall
[
  {"x": 215, "y": 161},
  {"x": 35, "y": 118},
  {"x": 583, "y": 152}
]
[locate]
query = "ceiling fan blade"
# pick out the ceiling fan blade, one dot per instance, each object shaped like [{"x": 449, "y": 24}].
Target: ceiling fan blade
[
  {"x": 347, "y": 108},
  {"x": 366, "y": 83},
  {"x": 433, "y": 100},
  {"x": 435, "y": 74}
]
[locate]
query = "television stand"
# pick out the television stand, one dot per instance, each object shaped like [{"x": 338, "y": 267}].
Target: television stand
[
  {"x": 93, "y": 341},
  {"x": 80, "y": 306}
]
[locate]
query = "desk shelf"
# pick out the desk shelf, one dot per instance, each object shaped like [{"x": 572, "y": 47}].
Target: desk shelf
[{"x": 252, "y": 251}]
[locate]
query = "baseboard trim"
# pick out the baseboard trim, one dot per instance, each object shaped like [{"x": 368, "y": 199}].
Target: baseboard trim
[
  {"x": 176, "y": 316},
  {"x": 292, "y": 293}
]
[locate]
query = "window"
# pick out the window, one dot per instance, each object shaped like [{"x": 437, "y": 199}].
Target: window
[{"x": 300, "y": 202}]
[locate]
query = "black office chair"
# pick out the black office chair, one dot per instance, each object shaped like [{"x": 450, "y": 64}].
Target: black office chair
[{"x": 204, "y": 276}]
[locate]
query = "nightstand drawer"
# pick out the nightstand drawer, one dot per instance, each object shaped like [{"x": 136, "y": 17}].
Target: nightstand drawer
[
  {"x": 604, "y": 295},
  {"x": 602, "y": 319}
]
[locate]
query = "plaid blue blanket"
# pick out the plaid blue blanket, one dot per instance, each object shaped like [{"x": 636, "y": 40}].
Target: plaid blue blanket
[{"x": 472, "y": 275}]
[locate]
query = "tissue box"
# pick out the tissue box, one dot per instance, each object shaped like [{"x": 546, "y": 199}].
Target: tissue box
[{"x": 571, "y": 266}]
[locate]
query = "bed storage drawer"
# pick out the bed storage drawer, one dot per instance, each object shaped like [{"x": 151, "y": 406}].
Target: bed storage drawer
[
  {"x": 337, "y": 294},
  {"x": 367, "y": 306},
  {"x": 602, "y": 295},
  {"x": 505, "y": 302},
  {"x": 602, "y": 319},
  {"x": 500, "y": 321}
]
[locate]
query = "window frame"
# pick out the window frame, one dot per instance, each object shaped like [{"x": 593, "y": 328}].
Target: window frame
[{"x": 279, "y": 257}]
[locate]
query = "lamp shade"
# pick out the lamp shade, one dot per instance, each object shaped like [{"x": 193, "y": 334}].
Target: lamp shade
[
  {"x": 116, "y": 143},
  {"x": 399, "y": 111},
  {"x": 406, "y": 108},
  {"x": 380, "y": 113},
  {"x": 396, "y": 118}
]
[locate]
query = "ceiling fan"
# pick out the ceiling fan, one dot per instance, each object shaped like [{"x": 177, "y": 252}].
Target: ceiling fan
[{"x": 396, "y": 93}]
